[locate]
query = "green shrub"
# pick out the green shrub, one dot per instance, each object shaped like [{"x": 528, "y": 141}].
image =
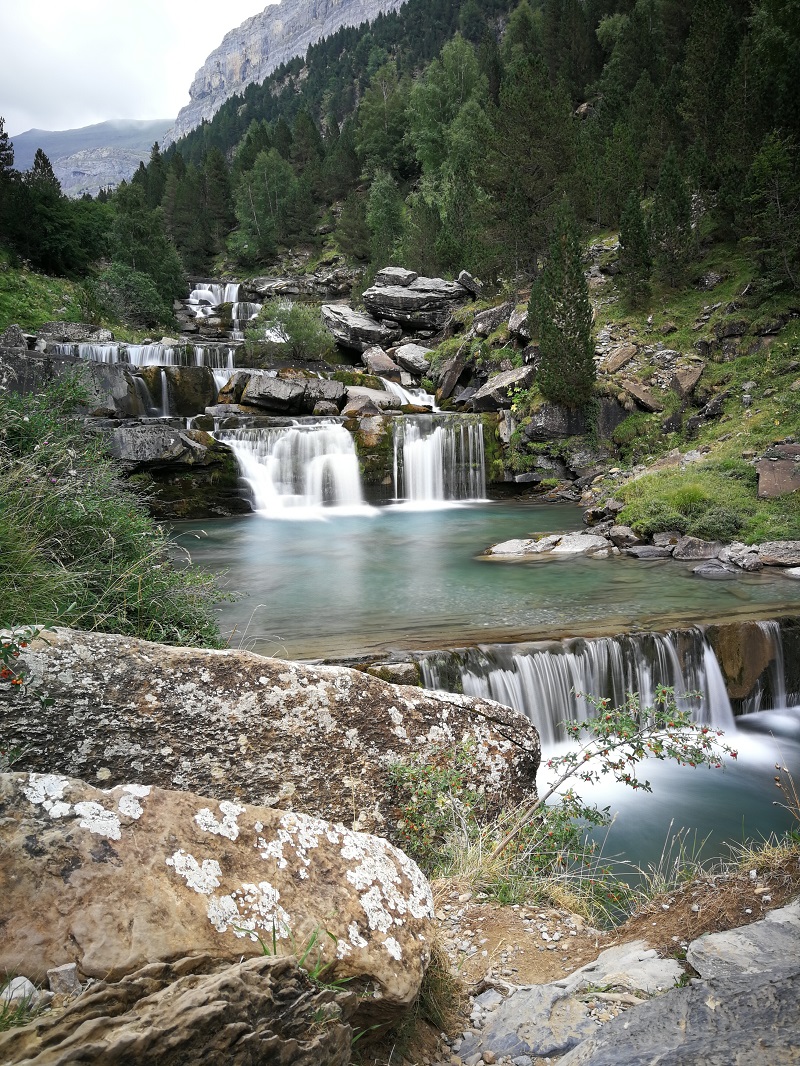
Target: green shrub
[
  {"x": 293, "y": 330},
  {"x": 717, "y": 523},
  {"x": 651, "y": 516},
  {"x": 77, "y": 546},
  {"x": 122, "y": 294}
]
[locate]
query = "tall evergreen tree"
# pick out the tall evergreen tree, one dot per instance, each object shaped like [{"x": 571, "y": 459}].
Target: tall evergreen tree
[
  {"x": 635, "y": 261},
  {"x": 560, "y": 318},
  {"x": 384, "y": 219},
  {"x": 671, "y": 222}
]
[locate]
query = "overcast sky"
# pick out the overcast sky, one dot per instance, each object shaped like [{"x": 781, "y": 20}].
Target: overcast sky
[{"x": 69, "y": 63}]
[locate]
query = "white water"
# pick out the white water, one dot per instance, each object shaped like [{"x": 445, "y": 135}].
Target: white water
[
  {"x": 164, "y": 394},
  {"x": 438, "y": 460},
  {"x": 206, "y": 297},
  {"x": 548, "y": 682},
  {"x": 416, "y": 397},
  {"x": 216, "y": 356},
  {"x": 300, "y": 471}
]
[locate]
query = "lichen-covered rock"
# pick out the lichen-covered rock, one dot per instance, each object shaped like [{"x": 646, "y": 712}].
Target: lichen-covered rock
[
  {"x": 232, "y": 724},
  {"x": 262, "y": 1012},
  {"x": 357, "y": 331},
  {"x": 427, "y": 303},
  {"x": 111, "y": 880}
]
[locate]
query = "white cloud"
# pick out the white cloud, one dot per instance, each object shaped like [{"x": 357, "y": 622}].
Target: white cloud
[{"x": 69, "y": 63}]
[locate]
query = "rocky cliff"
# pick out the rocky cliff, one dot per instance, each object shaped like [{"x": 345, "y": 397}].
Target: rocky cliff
[{"x": 251, "y": 52}]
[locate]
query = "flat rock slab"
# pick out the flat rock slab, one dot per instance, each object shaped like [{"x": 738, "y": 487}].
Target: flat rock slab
[
  {"x": 554, "y": 545},
  {"x": 111, "y": 880},
  {"x": 235, "y": 725},
  {"x": 751, "y": 948},
  {"x": 548, "y": 1019},
  {"x": 744, "y": 1020},
  {"x": 780, "y": 553}
]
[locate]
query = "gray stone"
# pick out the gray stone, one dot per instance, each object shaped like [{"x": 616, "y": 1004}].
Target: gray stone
[
  {"x": 63, "y": 980},
  {"x": 450, "y": 372},
  {"x": 619, "y": 357},
  {"x": 414, "y": 358},
  {"x": 498, "y": 390},
  {"x": 19, "y": 990},
  {"x": 714, "y": 570},
  {"x": 394, "y": 276},
  {"x": 649, "y": 551},
  {"x": 486, "y": 322},
  {"x": 780, "y": 553},
  {"x": 355, "y": 330},
  {"x": 382, "y": 400},
  {"x": 684, "y": 381},
  {"x": 512, "y": 547},
  {"x": 750, "y": 948},
  {"x": 730, "y": 327},
  {"x": 633, "y": 966},
  {"x": 551, "y": 421},
  {"x": 745, "y": 1020},
  {"x": 581, "y": 544},
  {"x": 779, "y": 472},
  {"x": 471, "y": 284},
  {"x": 274, "y": 393},
  {"x": 315, "y": 738},
  {"x": 518, "y": 323},
  {"x": 644, "y": 397},
  {"x": 325, "y": 407},
  {"x": 155, "y": 444},
  {"x": 624, "y": 536},
  {"x": 13, "y": 337},
  {"x": 361, "y": 407},
  {"x": 427, "y": 303},
  {"x": 379, "y": 363},
  {"x": 694, "y": 548},
  {"x": 668, "y": 537}
]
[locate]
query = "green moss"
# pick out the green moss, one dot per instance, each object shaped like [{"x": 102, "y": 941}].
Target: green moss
[
  {"x": 355, "y": 377},
  {"x": 492, "y": 448}
]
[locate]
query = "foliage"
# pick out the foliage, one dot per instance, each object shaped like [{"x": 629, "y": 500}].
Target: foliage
[
  {"x": 671, "y": 222},
  {"x": 292, "y": 330},
  {"x": 77, "y": 547},
  {"x": 122, "y": 294},
  {"x": 544, "y": 847},
  {"x": 15, "y": 1013},
  {"x": 560, "y": 316},
  {"x": 634, "y": 253}
]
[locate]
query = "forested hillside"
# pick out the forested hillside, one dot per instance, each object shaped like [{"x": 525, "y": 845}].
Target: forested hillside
[{"x": 445, "y": 137}]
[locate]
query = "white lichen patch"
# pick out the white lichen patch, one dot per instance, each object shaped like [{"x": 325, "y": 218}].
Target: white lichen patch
[
  {"x": 203, "y": 877},
  {"x": 44, "y": 790},
  {"x": 94, "y": 817},
  {"x": 391, "y": 886},
  {"x": 393, "y": 948},
  {"x": 252, "y": 909},
  {"x": 129, "y": 806},
  {"x": 397, "y": 721},
  {"x": 209, "y": 823}
]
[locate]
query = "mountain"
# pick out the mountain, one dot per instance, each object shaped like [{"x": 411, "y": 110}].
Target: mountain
[
  {"x": 93, "y": 157},
  {"x": 261, "y": 44}
]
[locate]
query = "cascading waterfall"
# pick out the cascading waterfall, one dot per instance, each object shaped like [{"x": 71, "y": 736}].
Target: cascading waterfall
[
  {"x": 299, "y": 470},
  {"x": 548, "y": 681},
  {"x": 415, "y": 397},
  {"x": 216, "y": 356},
  {"x": 206, "y": 297},
  {"x": 242, "y": 313},
  {"x": 775, "y": 682},
  {"x": 438, "y": 458}
]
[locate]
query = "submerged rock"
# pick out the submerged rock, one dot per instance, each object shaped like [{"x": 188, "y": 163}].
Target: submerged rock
[{"x": 231, "y": 724}]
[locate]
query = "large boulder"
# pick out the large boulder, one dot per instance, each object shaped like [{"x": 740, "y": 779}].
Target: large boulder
[
  {"x": 288, "y": 392},
  {"x": 498, "y": 390},
  {"x": 551, "y": 420},
  {"x": 199, "y": 1010},
  {"x": 379, "y": 363},
  {"x": 122, "y": 877},
  {"x": 426, "y": 303},
  {"x": 414, "y": 358},
  {"x": 184, "y": 473},
  {"x": 235, "y": 725},
  {"x": 111, "y": 388},
  {"x": 357, "y": 331},
  {"x": 779, "y": 472}
]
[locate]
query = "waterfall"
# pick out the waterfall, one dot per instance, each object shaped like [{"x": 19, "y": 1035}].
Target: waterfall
[
  {"x": 207, "y": 296},
  {"x": 548, "y": 681},
  {"x": 216, "y": 356},
  {"x": 145, "y": 398},
  {"x": 242, "y": 313},
  {"x": 438, "y": 458},
  {"x": 776, "y": 674},
  {"x": 299, "y": 470},
  {"x": 164, "y": 394},
  {"x": 416, "y": 397}
]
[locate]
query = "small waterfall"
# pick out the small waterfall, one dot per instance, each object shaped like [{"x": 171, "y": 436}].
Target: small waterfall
[
  {"x": 146, "y": 399},
  {"x": 221, "y": 378},
  {"x": 215, "y": 356},
  {"x": 545, "y": 680},
  {"x": 415, "y": 397},
  {"x": 242, "y": 313},
  {"x": 164, "y": 394},
  {"x": 776, "y": 679},
  {"x": 438, "y": 458},
  {"x": 153, "y": 355},
  {"x": 209, "y": 295},
  {"x": 299, "y": 470}
]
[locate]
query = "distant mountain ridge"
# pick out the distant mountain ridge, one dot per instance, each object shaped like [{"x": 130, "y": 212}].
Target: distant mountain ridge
[
  {"x": 92, "y": 157},
  {"x": 252, "y": 51}
]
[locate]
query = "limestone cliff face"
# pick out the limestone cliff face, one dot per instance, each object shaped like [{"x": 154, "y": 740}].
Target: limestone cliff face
[{"x": 252, "y": 51}]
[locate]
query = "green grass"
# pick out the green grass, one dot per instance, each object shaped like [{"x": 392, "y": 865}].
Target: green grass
[
  {"x": 28, "y": 299},
  {"x": 77, "y": 546}
]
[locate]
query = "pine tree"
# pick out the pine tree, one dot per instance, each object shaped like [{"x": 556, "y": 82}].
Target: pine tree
[
  {"x": 384, "y": 218},
  {"x": 635, "y": 260},
  {"x": 671, "y": 222},
  {"x": 6, "y": 149},
  {"x": 42, "y": 171},
  {"x": 560, "y": 317}
]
